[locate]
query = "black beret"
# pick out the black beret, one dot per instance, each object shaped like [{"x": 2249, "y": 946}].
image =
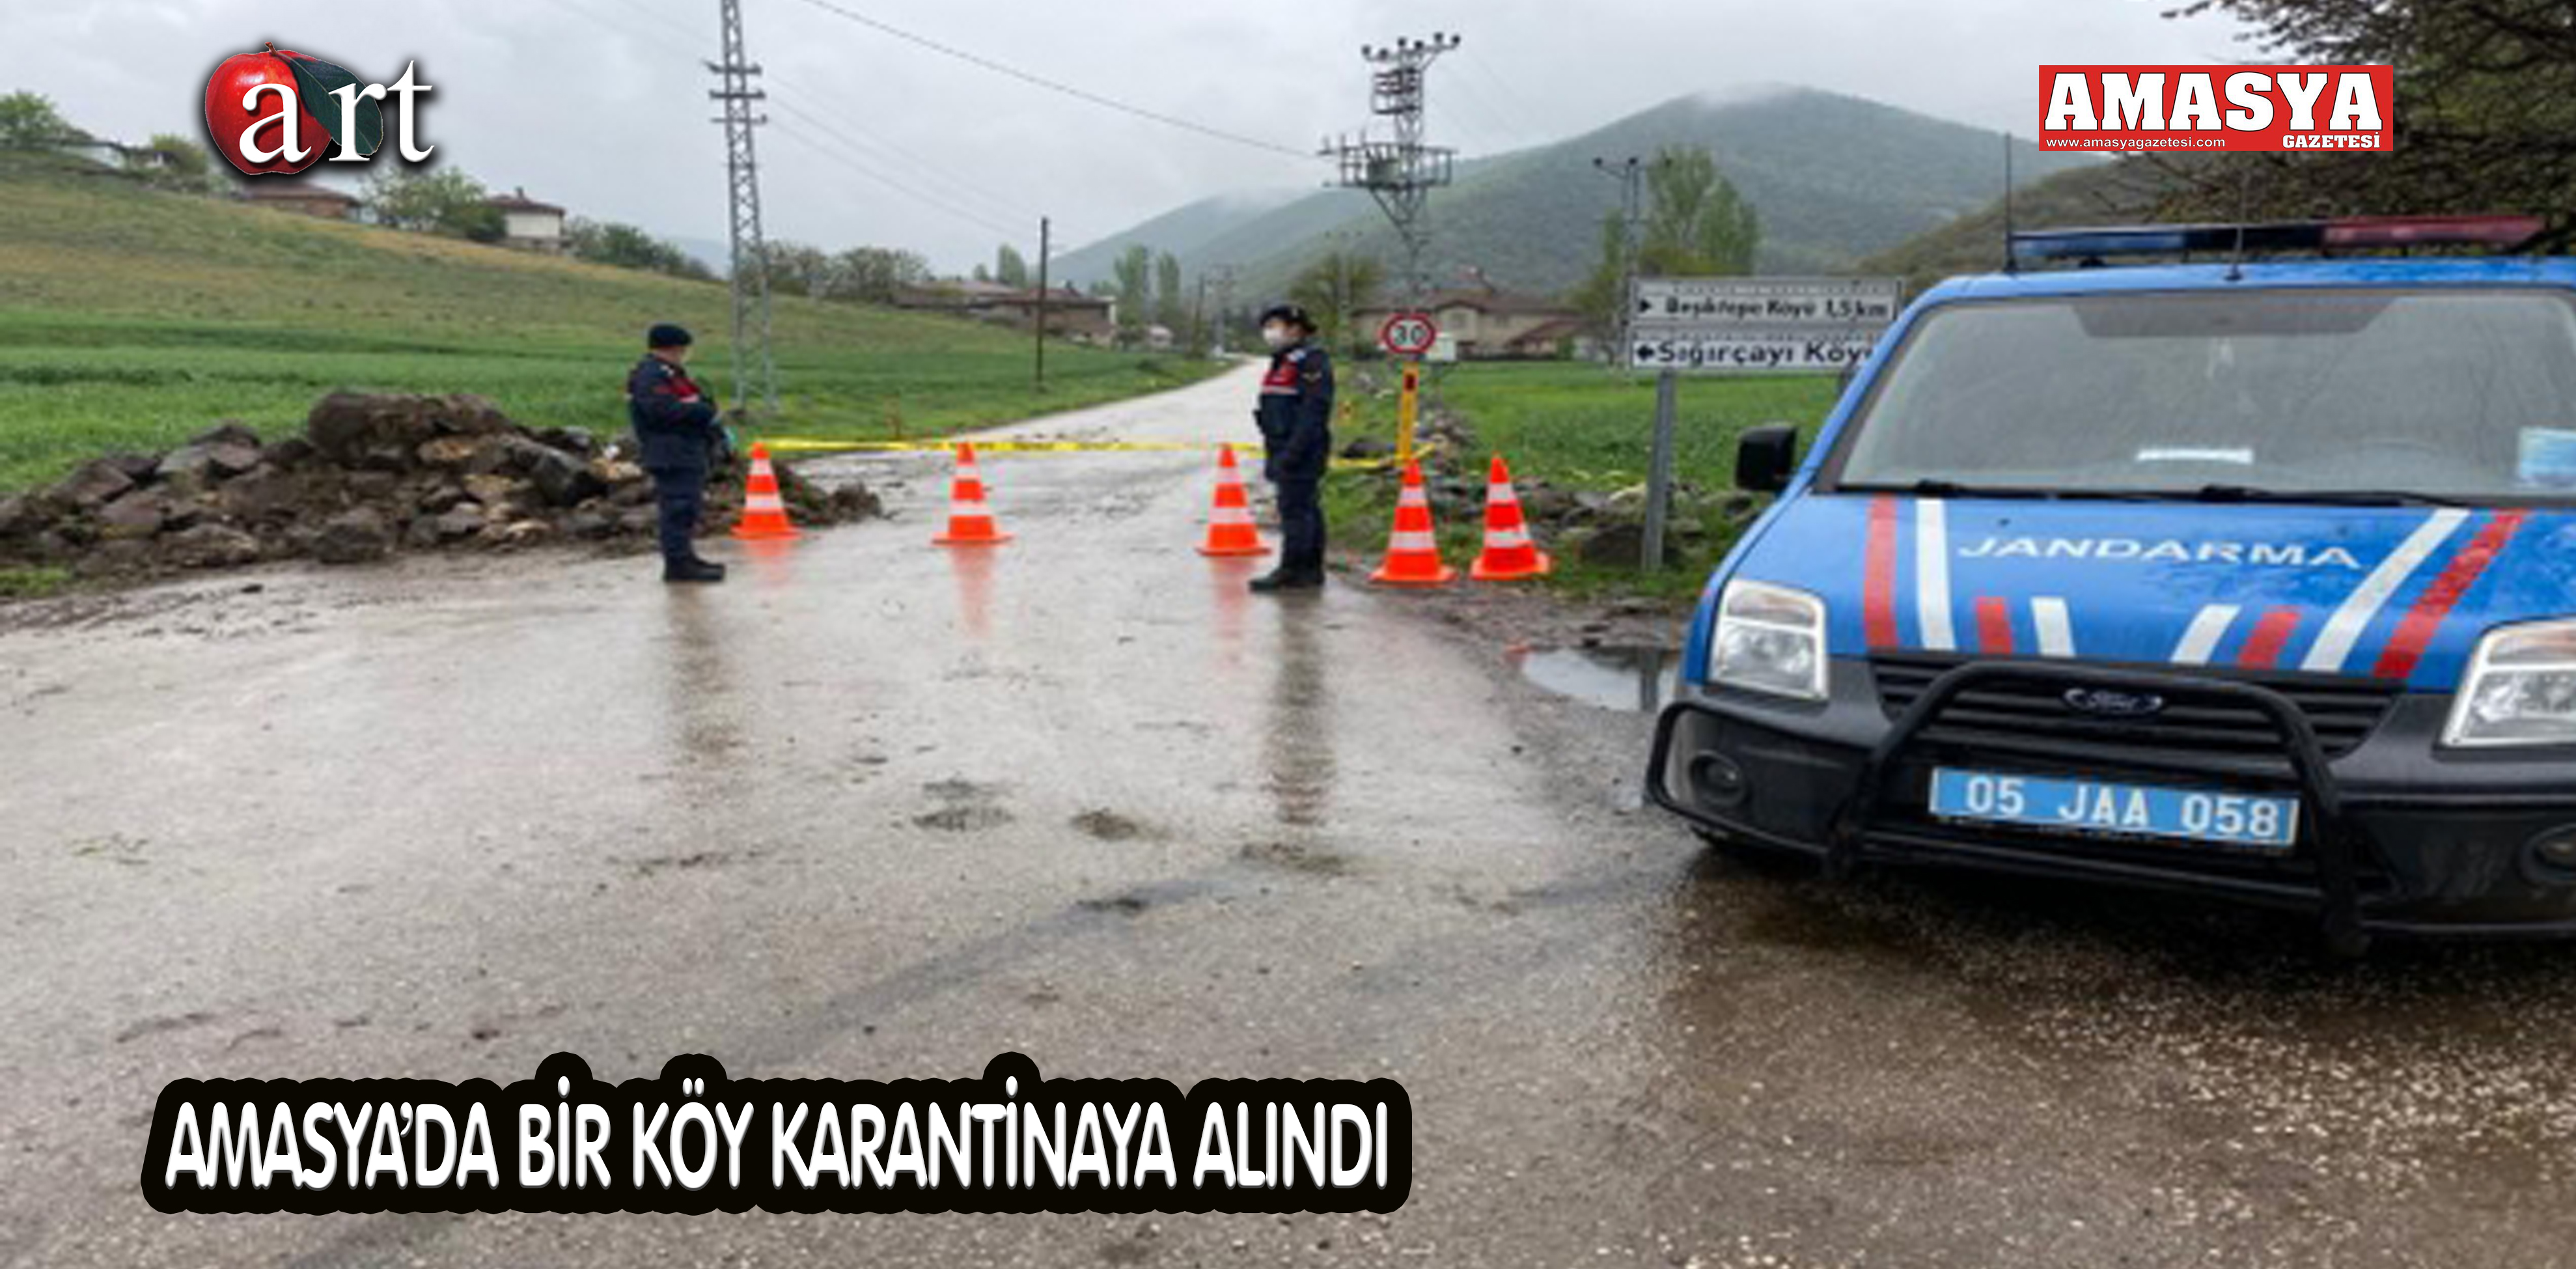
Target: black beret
[
  {"x": 1293, "y": 314},
  {"x": 667, "y": 335}
]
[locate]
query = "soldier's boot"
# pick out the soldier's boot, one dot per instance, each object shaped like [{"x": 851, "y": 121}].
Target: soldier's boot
[{"x": 1289, "y": 577}]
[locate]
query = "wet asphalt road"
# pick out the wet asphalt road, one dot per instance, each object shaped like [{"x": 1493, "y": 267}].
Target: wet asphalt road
[{"x": 877, "y": 810}]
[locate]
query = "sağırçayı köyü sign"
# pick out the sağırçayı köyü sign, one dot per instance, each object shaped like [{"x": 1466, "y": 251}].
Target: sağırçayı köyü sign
[
  {"x": 1759, "y": 325},
  {"x": 1682, "y": 348},
  {"x": 2216, "y": 108}
]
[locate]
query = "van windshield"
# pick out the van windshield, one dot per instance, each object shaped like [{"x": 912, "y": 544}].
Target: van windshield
[{"x": 2455, "y": 395}]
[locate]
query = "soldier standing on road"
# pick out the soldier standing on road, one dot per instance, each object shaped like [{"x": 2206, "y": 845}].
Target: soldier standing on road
[
  {"x": 678, "y": 435},
  {"x": 1296, "y": 418}
]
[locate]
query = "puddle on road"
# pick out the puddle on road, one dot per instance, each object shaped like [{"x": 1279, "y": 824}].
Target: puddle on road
[{"x": 1635, "y": 679}]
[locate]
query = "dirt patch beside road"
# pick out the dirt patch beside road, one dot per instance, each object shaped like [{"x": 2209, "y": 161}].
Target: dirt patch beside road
[{"x": 371, "y": 476}]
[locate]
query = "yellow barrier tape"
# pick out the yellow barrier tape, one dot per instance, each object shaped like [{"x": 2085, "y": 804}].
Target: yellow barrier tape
[
  {"x": 794, "y": 444},
  {"x": 807, "y": 445}
]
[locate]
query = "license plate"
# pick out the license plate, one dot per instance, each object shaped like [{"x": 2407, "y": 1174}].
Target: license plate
[{"x": 2090, "y": 807}]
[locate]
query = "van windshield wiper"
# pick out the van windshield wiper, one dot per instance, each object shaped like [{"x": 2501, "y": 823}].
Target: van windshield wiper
[
  {"x": 2326, "y": 497},
  {"x": 1954, "y": 489},
  {"x": 1949, "y": 489}
]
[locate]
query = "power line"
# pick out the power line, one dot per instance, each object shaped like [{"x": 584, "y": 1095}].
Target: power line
[
  {"x": 854, "y": 141},
  {"x": 880, "y": 178},
  {"x": 1003, "y": 206},
  {"x": 1511, "y": 99},
  {"x": 1056, "y": 86}
]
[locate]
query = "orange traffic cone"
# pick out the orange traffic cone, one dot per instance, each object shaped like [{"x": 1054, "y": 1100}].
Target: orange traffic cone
[
  {"x": 1509, "y": 554},
  {"x": 970, "y": 523},
  {"x": 764, "y": 516},
  {"x": 1230, "y": 530},
  {"x": 1412, "y": 553}
]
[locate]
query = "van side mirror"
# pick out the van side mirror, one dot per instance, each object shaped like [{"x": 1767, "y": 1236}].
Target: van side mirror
[{"x": 1765, "y": 456}]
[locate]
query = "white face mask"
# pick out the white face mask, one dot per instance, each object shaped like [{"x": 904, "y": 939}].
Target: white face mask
[{"x": 1276, "y": 336}]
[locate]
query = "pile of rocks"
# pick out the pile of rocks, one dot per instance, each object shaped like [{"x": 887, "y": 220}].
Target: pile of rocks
[{"x": 372, "y": 475}]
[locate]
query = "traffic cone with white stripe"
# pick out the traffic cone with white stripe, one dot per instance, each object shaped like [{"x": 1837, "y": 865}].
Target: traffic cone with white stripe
[
  {"x": 764, "y": 514},
  {"x": 1230, "y": 530},
  {"x": 970, "y": 522},
  {"x": 1510, "y": 555},
  {"x": 1412, "y": 552}
]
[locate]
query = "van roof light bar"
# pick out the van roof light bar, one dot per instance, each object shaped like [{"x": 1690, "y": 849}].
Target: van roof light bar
[{"x": 2297, "y": 236}]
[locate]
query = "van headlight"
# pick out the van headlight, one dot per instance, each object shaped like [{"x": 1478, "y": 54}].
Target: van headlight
[
  {"x": 2520, "y": 689},
  {"x": 1769, "y": 639}
]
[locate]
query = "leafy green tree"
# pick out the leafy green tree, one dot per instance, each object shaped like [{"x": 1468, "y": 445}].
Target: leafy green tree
[
  {"x": 1010, "y": 268},
  {"x": 445, "y": 201},
  {"x": 1696, "y": 224},
  {"x": 188, "y": 167},
  {"x": 1334, "y": 289},
  {"x": 875, "y": 275},
  {"x": 30, "y": 122},
  {"x": 2484, "y": 118},
  {"x": 1604, "y": 295},
  {"x": 798, "y": 269},
  {"x": 1171, "y": 308},
  {"x": 1135, "y": 292},
  {"x": 628, "y": 247}
]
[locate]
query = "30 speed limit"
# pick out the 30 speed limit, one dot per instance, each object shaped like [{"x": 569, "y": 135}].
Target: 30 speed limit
[{"x": 1409, "y": 334}]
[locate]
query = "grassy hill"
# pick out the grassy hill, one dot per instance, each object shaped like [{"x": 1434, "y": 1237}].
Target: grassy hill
[
  {"x": 131, "y": 318},
  {"x": 1835, "y": 178},
  {"x": 2103, "y": 193}
]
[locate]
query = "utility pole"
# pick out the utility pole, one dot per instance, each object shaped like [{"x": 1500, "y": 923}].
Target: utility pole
[
  {"x": 1630, "y": 174},
  {"x": 1046, "y": 228},
  {"x": 1400, "y": 174},
  {"x": 1224, "y": 308},
  {"x": 742, "y": 185}
]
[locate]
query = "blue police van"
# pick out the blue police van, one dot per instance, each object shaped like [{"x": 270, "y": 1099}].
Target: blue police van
[{"x": 2248, "y": 570}]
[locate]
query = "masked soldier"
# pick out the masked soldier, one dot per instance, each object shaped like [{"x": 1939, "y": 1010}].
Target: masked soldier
[
  {"x": 1296, "y": 418},
  {"x": 678, "y": 436}
]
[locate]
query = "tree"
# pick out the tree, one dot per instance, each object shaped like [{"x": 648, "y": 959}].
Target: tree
[
  {"x": 1696, "y": 224},
  {"x": 188, "y": 168},
  {"x": 1135, "y": 273},
  {"x": 628, "y": 247},
  {"x": 983, "y": 273},
  {"x": 798, "y": 269},
  {"x": 445, "y": 201},
  {"x": 1334, "y": 289},
  {"x": 2484, "y": 118},
  {"x": 876, "y": 275},
  {"x": 1603, "y": 297},
  {"x": 1171, "y": 310},
  {"x": 1011, "y": 268},
  {"x": 30, "y": 122}
]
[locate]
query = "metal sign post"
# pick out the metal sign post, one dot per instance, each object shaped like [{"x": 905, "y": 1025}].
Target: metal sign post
[
  {"x": 1659, "y": 474},
  {"x": 1738, "y": 326},
  {"x": 1408, "y": 411},
  {"x": 1406, "y": 337}
]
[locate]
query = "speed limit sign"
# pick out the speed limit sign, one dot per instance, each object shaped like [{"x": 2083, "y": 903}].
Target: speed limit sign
[{"x": 1409, "y": 334}]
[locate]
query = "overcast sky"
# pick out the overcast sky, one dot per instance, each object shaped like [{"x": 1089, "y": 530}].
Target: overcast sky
[{"x": 600, "y": 105}]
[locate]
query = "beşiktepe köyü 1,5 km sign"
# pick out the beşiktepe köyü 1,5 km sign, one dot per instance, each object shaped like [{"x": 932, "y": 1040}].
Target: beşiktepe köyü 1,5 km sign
[{"x": 1759, "y": 325}]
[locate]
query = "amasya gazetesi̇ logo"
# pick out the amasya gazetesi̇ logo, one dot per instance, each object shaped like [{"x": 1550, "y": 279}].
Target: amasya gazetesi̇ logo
[{"x": 279, "y": 112}]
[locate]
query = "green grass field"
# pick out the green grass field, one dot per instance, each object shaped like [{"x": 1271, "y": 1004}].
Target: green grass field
[
  {"x": 1580, "y": 426},
  {"x": 132, "y": 319}
]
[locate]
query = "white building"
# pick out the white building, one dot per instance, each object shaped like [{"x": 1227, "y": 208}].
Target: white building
[{"x": 528, "y": 224}]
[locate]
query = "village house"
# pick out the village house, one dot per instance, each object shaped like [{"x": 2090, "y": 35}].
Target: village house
[
  {"x": 1070, "y": 314},
  {"x": 302, "y": 198},
  {"x": 528, "y": 224},
  {"x": 1490, "y": 325}
]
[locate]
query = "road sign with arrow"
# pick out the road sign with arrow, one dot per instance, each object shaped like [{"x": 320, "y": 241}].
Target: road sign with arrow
[{"x": 1759, "y": 325}]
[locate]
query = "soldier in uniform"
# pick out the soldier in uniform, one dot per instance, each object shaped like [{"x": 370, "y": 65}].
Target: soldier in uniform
[
  {"x": 1296, "y": 418},
  {"x": 677, "y": 434}
]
